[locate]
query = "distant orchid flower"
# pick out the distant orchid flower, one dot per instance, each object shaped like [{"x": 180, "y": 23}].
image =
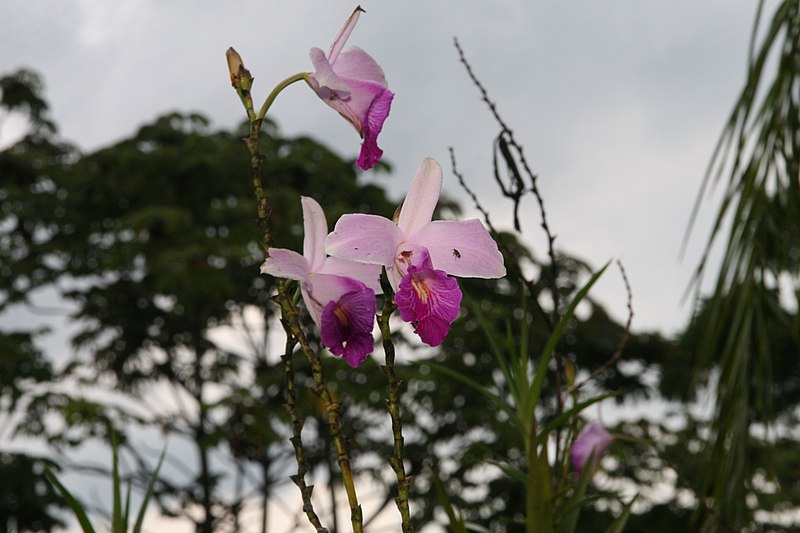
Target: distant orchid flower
[
  {"x": 420, "y": 254},
  {"x": 352, "y": 83},
  {"x": 592, "y": 439},
  {"x": 339, "y": 294}
]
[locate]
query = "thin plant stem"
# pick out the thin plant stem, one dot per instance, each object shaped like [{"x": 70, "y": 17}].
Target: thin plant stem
[
  {"x": 514, "y": 261},
  {"x": 262, "y": 199},
  {"x": 394, "y": 391},
  {"x": 506, "y": 139},
  {"x": 296, "y": 440},
  {"x": 278, "y": 88},
  {"x": 622, "y": 343},
  {"x": 257, "y": 159},
  {"x": 289, "y": 313},
  {"x": 332, "y": 406}
]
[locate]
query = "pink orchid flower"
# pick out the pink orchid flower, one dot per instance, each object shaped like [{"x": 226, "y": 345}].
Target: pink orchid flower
[
  {"x": 339, "y": 294},
  {"x": 352, "y": 83},
  {"x": 593, "y": 439},
  {"x": 420, "y": 254}
]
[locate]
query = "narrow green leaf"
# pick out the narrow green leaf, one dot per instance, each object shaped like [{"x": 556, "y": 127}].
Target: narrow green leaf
[
  {"x": 619, "y": 524},
  {"x": 491, "y": 336},
  {"x": 571, "y": 508},
  {"x": 137, "y": 528},
  {"x": 510, "y": 471},
  {"x": 117, "y": 524},
  {"x": 73, "y": 503},
  {"x": 541, "y": 368},
  {"x": 456, "y": 522},
  {"x": 473, "y": 384},
  {"x": 126, "y": 514},
  {"x": 538, "y": 499},
  {"x": 573, "y": 411},
  {"x": 471, "y": 526}
]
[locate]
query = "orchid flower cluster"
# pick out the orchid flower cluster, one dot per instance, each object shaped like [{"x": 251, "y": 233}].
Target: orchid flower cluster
[
  {"x": 411, "y": 259},
  {"x": 339, "y": 273}
]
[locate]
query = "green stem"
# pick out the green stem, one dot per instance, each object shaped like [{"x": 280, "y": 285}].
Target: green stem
[
  {"x": 262, "y": 200},
  {"x": 291, "y": 319},
  {"x": 276, "y": 91},
  {"x": 394, "y": 390},
  {"x": 538, "y": 498},
  {"x": 290, "y": 315},
  {"x": 257, "y": 159},
  {"x": 296, "y": 440}
]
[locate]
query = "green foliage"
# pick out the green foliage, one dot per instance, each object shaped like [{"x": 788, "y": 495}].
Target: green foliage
[
  {"x": 153, "y": 242},
  {"x": 149, "y": 241},
  {"x": 27, "y": 500},
  {"x": 22, "y": 92},
  {"x": 119, "y": 516},
  {"x": 758, "y": 151}
]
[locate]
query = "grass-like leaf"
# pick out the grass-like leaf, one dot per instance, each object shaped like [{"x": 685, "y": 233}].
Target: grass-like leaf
[
  {"x": 137, "y": 528},
  {"x": 73, "y": 503}
]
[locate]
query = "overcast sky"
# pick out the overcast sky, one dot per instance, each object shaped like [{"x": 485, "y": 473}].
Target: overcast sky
[{"x": 618, "y": 103}]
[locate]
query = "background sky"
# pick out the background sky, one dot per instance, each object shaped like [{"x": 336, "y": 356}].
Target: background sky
[{"x": 619, "y": 103}]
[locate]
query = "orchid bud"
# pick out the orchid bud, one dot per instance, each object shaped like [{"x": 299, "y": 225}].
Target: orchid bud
[
  {"x": 241, "y": 80},
  {"x": 570, "y": 372}
]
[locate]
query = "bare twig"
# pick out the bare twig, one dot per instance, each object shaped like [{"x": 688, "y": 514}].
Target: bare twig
[
  {"x": 505, "y": 144},
  {"x": 505, "y": 140},
  {"x": 622, "y": 343},
  {"x": 507, "y": 252}
]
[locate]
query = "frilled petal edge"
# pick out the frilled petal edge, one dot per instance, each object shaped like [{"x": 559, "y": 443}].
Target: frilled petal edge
[{"x": 373, "y": 124}]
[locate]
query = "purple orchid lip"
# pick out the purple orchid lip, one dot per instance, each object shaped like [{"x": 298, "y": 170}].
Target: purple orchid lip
[
  {"x": 430, "y": 300},
  {"x": 353, "y": 84}
]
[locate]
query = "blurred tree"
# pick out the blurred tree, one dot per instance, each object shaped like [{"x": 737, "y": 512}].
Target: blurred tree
[
  {"x": 26, "y": 498},
  {"x": 746, "y": 336},
  {"x": 146, "y": 239},
  {"x": 27, "y": 501},
  {"x": 149, "y": 241}
]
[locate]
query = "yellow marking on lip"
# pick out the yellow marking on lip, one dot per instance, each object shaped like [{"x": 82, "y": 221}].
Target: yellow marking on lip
[
  {"x": 421, "y": 289},
  {"x": 341, "y": 315}
]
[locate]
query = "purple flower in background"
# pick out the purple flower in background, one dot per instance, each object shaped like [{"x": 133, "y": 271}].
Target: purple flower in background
[
  {"x": 352, "y": 83},
  {"x": 339, "y": 294},
  {"x": 592, "y": 439},
  {"x": 419, "y": 254}
]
